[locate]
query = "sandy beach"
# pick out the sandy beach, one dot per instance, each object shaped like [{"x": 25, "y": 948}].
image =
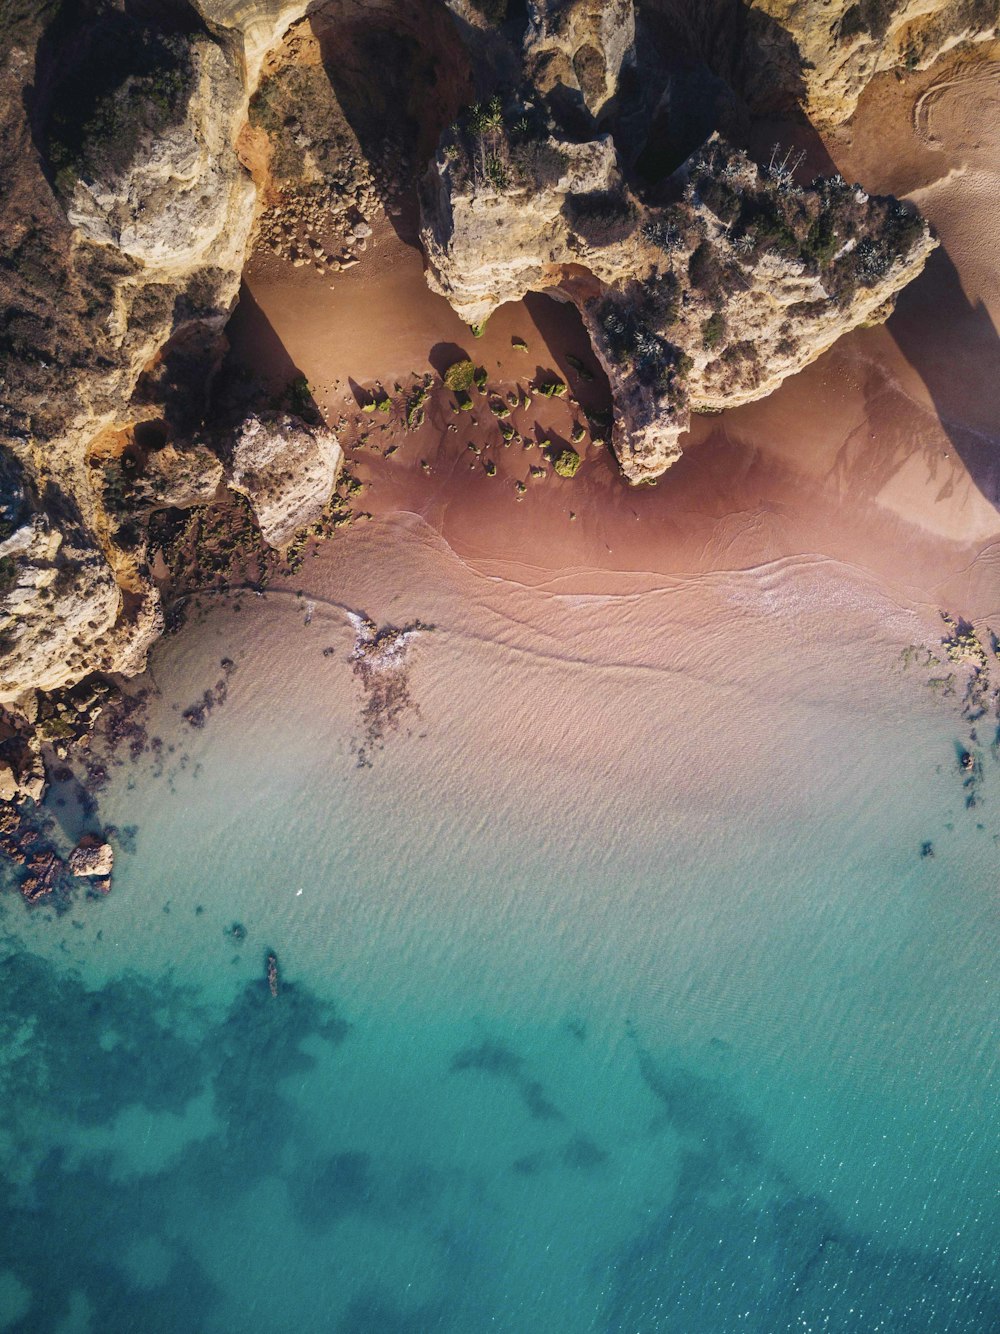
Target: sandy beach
[
  {"x": 539, "y": 905},
  {"x": 879, "y": 454}
]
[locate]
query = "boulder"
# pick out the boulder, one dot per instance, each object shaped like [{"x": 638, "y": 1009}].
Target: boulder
[
  {"x": 92, "y": 858},
  {"x": 287, "y": 469}
]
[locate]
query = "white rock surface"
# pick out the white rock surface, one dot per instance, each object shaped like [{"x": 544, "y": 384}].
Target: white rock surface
[{"x": 287, "y": 469}]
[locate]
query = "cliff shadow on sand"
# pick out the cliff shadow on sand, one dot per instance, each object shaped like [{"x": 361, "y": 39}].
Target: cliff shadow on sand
[
  {"x": 946, "y": 337},
  {"x": 953, "y": 345}
]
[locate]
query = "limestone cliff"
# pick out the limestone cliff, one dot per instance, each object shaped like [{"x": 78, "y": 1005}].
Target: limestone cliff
[
  {"x": 842, "y": 45},
  {"x": 704, "y": 304},
  {"x": 581, "y": 48},
  {"x": 128, "y": 221},
  {"x": 817, "y": 54}
]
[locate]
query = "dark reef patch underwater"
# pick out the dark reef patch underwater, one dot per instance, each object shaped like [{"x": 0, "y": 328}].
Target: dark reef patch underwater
[{"x": 92, "y": 1240}]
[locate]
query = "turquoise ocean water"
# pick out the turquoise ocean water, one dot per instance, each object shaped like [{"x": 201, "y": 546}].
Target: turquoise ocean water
[{"x": 616, "y": 994}]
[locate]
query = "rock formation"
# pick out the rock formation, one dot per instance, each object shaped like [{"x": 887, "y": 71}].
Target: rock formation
[
  {"x": 842, "y": 45},
  {"x": 580, "y": 47},
  {"x": 127, "y": 216},
  {"x": 92, "y": 857},
  {"x": 287, "y": 470},
  {"x": 706, "y": 303},
  {"x": 122, "y": 277},
  {"x": 818, "y": 55}
]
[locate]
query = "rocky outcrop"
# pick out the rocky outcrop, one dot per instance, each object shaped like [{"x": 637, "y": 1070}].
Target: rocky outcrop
[
  {"x": 120, "y": 283},
  {"x": 251, "y": 28},
  {"x": 580, "y": 47},
  {"x": 183, "y": 203},
  {"x": 705, "y": 304},
  {"x": 490, "y": 241},
  {"x": 817, "y": 54},
  {"x": 287, "y": 469},
  {"x": 91, "y": 857},
  {"x": 173, "y": 478},
  {"x": 842, "y": 45}
]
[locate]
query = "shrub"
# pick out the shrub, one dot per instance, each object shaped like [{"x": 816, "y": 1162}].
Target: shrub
[
  {"x": 662, "y": 232},
  {"x": 8, "y": 574},
  {"x": 705, "y": 271},
  {"x": 459, "y": 376},
  {"x": 565, "y": 461},
  {"x": 631, "y": 341},
  {"x": 537, "y": 163},
  {"x": 871, "y": 16},
  {"x": 717, "y": 196},
  {"x": 299, "y": 396},
  {"x": 602, "y": 217},
  {"x": 493, "y": 11},
  {"x": 821, "y": 242},
  {"x": 713, "y": 330}
]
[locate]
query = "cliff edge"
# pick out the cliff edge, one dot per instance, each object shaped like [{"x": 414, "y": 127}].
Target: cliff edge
[{"x": 705, "y": 303}]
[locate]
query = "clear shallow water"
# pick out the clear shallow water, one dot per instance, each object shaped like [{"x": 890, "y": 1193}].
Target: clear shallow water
[{"x": 617, "y": 996}]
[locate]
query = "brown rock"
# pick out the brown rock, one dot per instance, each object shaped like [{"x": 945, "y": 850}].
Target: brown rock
[{"x": 92, "y": 858}]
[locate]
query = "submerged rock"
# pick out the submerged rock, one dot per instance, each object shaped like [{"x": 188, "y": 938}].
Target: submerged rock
[{"x": 271, "y": 971}]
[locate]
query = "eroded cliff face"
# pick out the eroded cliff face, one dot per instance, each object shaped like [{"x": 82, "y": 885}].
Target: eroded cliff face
[
  {"x": 818, "y": 55},
  {"x": 129, "y": 221},
  {"x": 844, "y": 44},
  {"x": 707, "y": 303},
  {"x": 148, "y": 249},
  {"x": 580, "y": 47}
]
